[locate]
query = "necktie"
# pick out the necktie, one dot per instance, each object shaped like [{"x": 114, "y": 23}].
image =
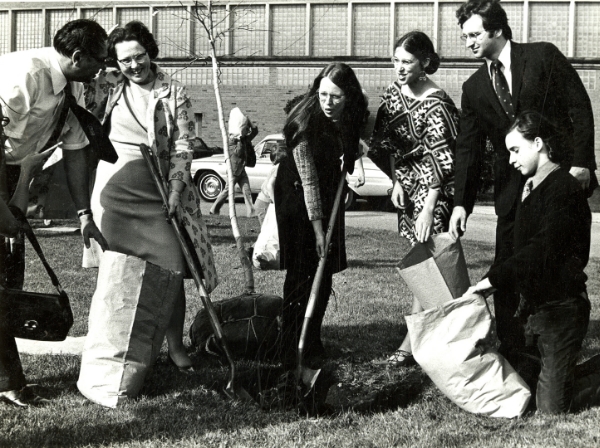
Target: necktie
[
  {"x": 502, "y": 89},
  {"x": 62, "y": 118},
  {"x": 99, "y": 141},
  {"x": 527, "y": 189}
]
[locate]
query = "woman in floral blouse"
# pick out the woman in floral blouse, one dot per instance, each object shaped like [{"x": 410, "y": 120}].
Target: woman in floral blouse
[
  {"x": 413, "y": 143},
  {"x": 141, "y": 104}
]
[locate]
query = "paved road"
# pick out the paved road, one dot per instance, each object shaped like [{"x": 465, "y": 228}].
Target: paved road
[{"x": 480, "y": 226}]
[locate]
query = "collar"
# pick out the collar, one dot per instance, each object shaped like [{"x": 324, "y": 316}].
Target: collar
[
  {"x": 543, "y": 172},
  {"x": 59, "y": 81},
  {"x": 504, "y": 57}
]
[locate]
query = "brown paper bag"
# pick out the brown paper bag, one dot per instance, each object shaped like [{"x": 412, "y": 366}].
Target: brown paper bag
[
  {"x": 452, "y": 345},
  {"x": 436, "y": 271},
  {"x": 128, "y": 318}
]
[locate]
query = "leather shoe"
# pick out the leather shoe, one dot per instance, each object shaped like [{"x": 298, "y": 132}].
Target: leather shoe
[
  {"x": 13, "y": 397},
  {"x": 401, "y": 358},
  {"x": 23, "y": 398},
  {"x": 188, "y": 370}
]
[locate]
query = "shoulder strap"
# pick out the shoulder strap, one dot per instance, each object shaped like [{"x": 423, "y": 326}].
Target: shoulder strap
[
  {"x": 36, "y": 246},
  {"x": 124, "y": 94}
]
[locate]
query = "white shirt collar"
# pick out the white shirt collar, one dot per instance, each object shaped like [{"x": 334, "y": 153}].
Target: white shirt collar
[
  {"x": 59, "y": 81},
  {"x": 504, "y": 57},
  {"x": 542, "y": 172}
]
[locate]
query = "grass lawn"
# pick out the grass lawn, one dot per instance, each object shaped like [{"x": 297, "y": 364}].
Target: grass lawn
[{"x": 363, "y": 323}]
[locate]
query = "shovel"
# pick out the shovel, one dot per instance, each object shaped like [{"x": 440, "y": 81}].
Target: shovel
[
  {"x": 305, "y": 375},
  {"x": 231, "y": 390}
]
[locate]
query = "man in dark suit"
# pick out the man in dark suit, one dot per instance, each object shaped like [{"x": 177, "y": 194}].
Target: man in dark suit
[{"x": 515, "y": 77}]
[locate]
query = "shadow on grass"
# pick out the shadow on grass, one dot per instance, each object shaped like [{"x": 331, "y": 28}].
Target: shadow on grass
[{"x": 374, "y": 263}]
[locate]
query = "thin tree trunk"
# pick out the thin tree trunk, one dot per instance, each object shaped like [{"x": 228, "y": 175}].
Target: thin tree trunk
[{"x": 239, "y": 241}]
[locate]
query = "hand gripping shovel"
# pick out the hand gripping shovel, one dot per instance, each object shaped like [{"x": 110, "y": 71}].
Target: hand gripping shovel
[
  {"x": 231, "y": 389},
  {"x": 305, "y": 375}
]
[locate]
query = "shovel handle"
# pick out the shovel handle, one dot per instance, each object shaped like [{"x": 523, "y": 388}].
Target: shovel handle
[
  {"x": 314, "y": 291},
  {"x": 214, "y": 319}
]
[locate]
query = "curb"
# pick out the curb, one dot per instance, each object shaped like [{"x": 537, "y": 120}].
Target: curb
[{"x": 489, "y": 210}]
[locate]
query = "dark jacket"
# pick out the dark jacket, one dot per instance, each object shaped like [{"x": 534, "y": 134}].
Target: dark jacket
[
  {"x": 296, "y": 234},
  {"x": 238, "y": 149},
  {"x": 552, "y": 244},
  {"x": 542, "y": 80}
]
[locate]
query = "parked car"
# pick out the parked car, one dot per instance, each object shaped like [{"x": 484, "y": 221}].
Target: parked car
[
  {"x": 201, "y": 149},
  {"x": 209, "y": 174}
]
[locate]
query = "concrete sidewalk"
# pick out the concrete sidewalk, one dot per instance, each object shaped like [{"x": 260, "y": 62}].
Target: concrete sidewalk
[{"x": 70, "y": 346}]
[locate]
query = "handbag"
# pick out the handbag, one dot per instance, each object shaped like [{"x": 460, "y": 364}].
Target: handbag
[
  {"x": 250, "y": 155},
  {"x": 33, "y": 315}
]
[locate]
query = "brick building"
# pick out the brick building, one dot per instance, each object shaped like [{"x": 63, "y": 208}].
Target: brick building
[{"x": 271, "y": 50}]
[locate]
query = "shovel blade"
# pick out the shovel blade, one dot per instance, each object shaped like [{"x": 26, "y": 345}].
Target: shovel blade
[
  {"x": 308, "y": 377},
  {"x": 238, "y": 393}
]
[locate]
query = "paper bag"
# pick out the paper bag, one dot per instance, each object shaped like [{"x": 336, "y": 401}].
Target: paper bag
[
  {"x": 266, "y": 249},
  {"x": 436, "y": 271},
  {"x": 128, "y": 318},
  {"x": 452, "y": 344},
  {"x": 237, "y": 122}
]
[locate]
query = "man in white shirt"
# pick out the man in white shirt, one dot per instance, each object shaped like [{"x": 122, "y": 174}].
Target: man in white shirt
[{"x": 34, "y": 85}]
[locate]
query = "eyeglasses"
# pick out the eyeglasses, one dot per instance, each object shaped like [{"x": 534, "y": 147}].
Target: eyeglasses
[
  {"x": 138, "y": 58},
  {"x": 335, "y": 99},
  {"x": 402, "y": 62},
  {"x": 471, "y": 36}
]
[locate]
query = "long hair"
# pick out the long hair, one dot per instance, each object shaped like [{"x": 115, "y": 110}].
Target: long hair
[
  {"x": 492, "y": 15},
  {"x": 531, "y": 124},
  {"x": 307, "y": 113}
]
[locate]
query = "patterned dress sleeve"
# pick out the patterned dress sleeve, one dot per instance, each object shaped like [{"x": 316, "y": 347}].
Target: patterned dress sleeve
[
  {"x": 96, "y": 93},
  {"x": 184, "y": 131},
  {"x": 380, "y": 146},
  {"x": 310, "y": 181},
  {"x": 438, "y": 157}
]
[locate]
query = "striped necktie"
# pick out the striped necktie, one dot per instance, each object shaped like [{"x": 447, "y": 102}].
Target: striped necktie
[
  {"x": 502, "y": 89},
  {"x": 527, "y": 189}
]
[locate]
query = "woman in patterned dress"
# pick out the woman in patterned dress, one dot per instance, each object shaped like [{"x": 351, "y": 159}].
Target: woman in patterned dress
[
  {"x": 141, "y": 104},
  {"x": 413, "y": 143},
  {"x": 322, "y": 135}
]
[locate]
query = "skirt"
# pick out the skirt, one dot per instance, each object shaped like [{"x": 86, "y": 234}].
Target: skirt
[{"x": 129, "y": 212}]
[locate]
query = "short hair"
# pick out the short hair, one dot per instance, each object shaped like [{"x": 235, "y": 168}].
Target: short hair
[
  {"x": 419, "y": 44},
  {"x": 308, "y": 110},
  {"x": 532, "y": 124},
  {"x": 136, "y": 31},
  {"x": 82, "y": 34},
  {"x": 493, "y": 15}
]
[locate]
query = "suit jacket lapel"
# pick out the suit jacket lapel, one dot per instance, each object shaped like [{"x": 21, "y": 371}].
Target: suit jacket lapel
[
  {"x": 517, "y": 61},
  {"x": 487, "y": 90}
]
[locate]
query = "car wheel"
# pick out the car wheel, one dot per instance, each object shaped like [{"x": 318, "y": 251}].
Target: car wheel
[
  {"x": 350, "y": 200},
  {"x": 210, "y": 185}
]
